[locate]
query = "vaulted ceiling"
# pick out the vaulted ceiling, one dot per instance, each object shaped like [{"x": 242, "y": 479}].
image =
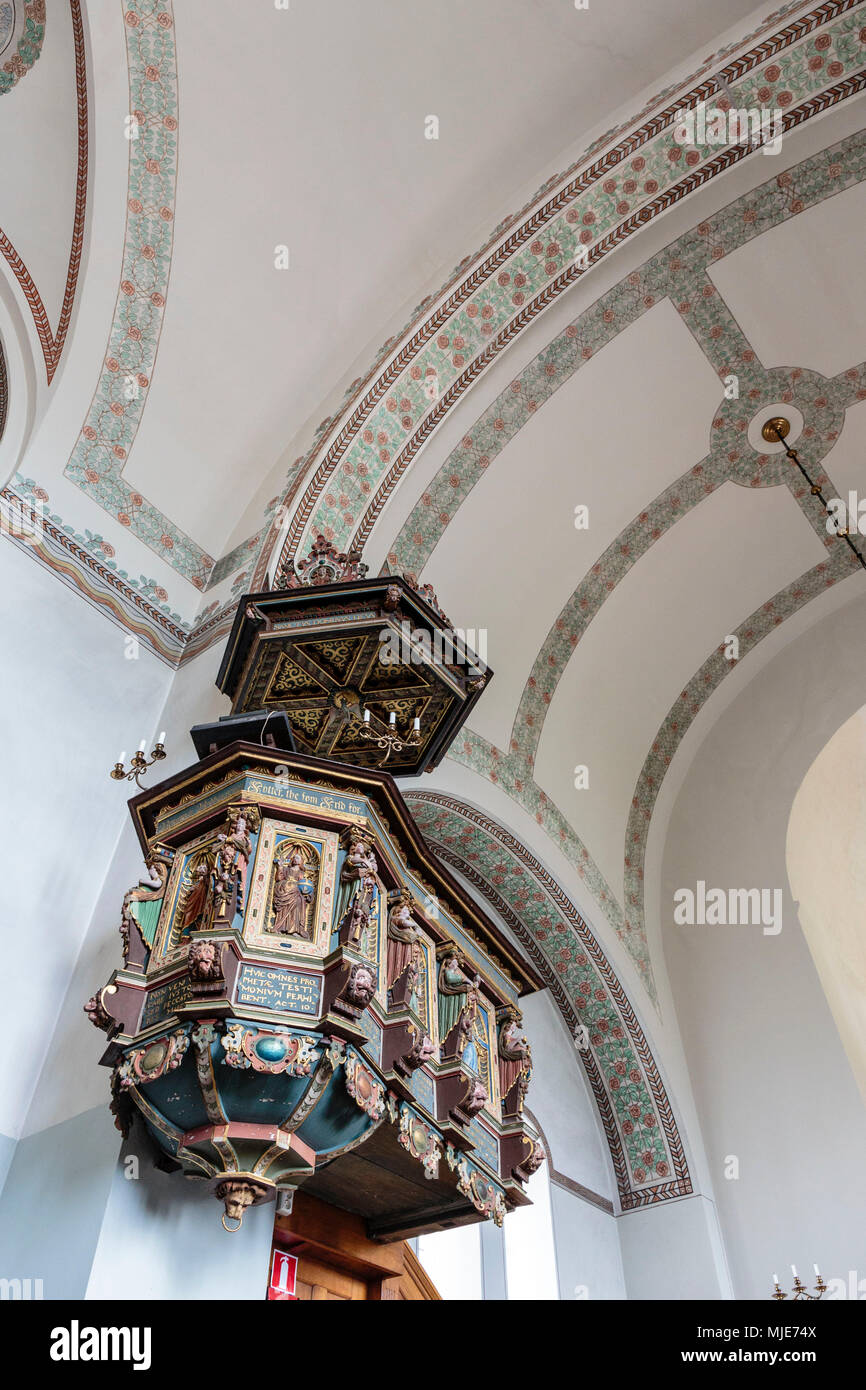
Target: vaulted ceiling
[{"x": 167, "y": 376}]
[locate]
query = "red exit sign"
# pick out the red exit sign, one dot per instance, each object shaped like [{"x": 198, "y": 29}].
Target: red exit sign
[{"x": 284, "y": 1270}]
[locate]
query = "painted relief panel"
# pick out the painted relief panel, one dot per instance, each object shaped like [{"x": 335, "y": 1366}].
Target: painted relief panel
[
  {"x": 291, "y": 899},
  {"x": 189, "y": 900}
]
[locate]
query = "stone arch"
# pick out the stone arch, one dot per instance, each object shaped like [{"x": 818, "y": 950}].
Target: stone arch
[{"x": 635, "y": 1112}]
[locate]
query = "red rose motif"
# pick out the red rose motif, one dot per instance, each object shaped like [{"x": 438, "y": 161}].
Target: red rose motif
[
  {"x": 651, "y": 186},
  {"x": 785, "y": 98},
  {"x": 822, "y": 43},
  {"x": 773, "y": 73},
  {"x": 835, "y": 70},
  {"x": 123, "y": 519}
]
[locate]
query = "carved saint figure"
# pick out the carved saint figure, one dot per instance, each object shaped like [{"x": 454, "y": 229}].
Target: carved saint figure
[
  {"x": 466, "y": 1048},
  {"x": 230, "y": 867},
  {"x": 359, "y": 885},
  {"x": 515, "y": 1060},
  {"x": 403, "y": 939},
  {"x": 144, "y": 903},
  {"x": 292, "y": 893},
  {"x": 197, "y": 902}
]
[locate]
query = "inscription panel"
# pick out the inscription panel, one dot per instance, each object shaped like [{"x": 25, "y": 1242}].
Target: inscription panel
[
  {"x": 284, "y": 991},
  {"x": 164, "y": 1000}
]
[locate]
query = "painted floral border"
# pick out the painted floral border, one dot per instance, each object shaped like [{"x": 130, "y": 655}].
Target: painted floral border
[
  {"x": 28, "y": 45},
  {"x": 639, "y": 1124}
]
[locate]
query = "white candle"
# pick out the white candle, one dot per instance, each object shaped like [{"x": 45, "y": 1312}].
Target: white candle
[
  {"x": 161, "y": 738},
  {"x": 141, "y": 746},
  {"x": 122, "y": 758},
  {"x": 416, "y": 723},
  {"x": 775, "y": 1279},
  {"x": 392, "y": 718},
  {"x": 366, "y": 716},
  {"x": 794, "y": 1270},
  {"x": 817, "y": 1271}
]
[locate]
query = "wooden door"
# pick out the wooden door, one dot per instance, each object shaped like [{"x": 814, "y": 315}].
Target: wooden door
[{"x": 336, "y": 1260}]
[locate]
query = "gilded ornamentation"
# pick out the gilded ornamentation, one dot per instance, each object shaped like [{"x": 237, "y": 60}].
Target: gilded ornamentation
[
  {"x": 273, "y": 1051},
  {"x": 324, "y": 565},
  {"x": 293, "y": 884},
  {"x": 367, "y": 1092},
  {"x": 419, "y": 1140},
  {"x": 154, "y": 1059}
]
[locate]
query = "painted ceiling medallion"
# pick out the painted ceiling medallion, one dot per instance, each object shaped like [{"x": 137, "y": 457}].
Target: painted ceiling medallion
[{"x": 22, "y": 29}]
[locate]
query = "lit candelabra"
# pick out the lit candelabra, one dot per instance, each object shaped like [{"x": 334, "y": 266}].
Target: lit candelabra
[
  {"x": 389, "y": 739},
  {"x": 139, "y": 763},
  {"x": 800, "y": 1290}
]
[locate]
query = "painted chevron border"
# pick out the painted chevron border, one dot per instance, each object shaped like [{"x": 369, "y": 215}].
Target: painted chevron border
[{"x": 52, "y": 344}]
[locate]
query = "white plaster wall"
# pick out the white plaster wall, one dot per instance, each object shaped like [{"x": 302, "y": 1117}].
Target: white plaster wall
[
  {"x": 826, "y": 855},
  {"x": 560, "y": 1099},
  {"x": 772, "y": 1084},
  {"x": 673, "y": 1252},
  {"x": 162, "y": 1238},
  {"x": 70, "y": 702}
]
